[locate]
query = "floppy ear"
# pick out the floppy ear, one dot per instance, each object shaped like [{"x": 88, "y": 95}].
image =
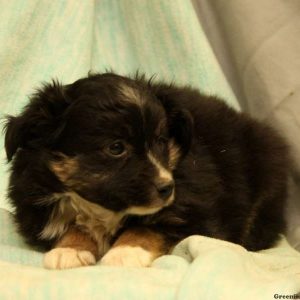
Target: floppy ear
[
  {"x": 40, "y": 123},
  {"x": 181, "y": 129},
  {"x": 180, "y": 121},
  {"x": 13, "y": 136}
]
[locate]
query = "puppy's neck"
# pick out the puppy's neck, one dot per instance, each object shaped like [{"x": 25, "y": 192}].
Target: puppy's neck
[{"x": 100, "y": 223}]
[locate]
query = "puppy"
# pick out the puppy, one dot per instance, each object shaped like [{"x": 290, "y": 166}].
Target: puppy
[{"x": 122, "y": 169}]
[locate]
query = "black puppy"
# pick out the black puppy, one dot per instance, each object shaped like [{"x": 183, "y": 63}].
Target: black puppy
[{"x": 122, "y": 169}]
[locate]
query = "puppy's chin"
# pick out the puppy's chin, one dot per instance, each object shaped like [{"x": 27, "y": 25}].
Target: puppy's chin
[{"x": 149, "y": 210}]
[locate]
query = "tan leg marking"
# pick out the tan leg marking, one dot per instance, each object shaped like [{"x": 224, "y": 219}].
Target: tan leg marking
[
  {"x": 74, "y": 249},
  {"x": 136, "y": 247}
]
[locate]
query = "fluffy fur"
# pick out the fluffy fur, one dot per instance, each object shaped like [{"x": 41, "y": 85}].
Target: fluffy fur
[{"x": 108, "y": 153}]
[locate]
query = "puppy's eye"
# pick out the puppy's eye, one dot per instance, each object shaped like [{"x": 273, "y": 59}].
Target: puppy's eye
[{"x": 117, "y": 149}]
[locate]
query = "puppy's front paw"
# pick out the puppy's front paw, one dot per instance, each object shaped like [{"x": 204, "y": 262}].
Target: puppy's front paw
[
  {"x": 127, "y": 256},
  {"x": 65, "y": 258}
]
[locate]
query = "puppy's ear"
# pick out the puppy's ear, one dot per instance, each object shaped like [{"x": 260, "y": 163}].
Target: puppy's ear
[
  {"x": 181, "y": 129},
  {"x": 13, "y": 136},
  {"x": 40, "y": 123},
  {"x": 180, "y": 121}
]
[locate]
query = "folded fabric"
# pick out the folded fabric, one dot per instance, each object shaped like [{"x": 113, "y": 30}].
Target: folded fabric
[{"x": 199, "y": 268}]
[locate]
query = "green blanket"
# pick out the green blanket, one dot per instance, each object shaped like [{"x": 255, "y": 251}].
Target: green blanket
[{"x": 199, "y": 268}]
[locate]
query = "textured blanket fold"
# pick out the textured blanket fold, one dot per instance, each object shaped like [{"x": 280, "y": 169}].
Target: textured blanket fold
[{"x": 199, "y": 268}]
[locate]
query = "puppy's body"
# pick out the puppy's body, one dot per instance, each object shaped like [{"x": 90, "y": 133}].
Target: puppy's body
[{"x": 109, "y": 154}]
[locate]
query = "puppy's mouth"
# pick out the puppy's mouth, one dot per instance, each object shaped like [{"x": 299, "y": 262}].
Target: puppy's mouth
[{"x": 153, "y": 208}]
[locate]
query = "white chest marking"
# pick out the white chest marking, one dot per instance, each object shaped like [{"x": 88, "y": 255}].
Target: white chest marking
[{"x": 98, "y": 221}]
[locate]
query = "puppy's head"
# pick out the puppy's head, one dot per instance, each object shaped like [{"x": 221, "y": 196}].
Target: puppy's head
[{"x": 109, "y": 139}]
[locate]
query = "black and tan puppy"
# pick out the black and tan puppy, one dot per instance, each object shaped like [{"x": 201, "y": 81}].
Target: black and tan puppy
[{"x": 122, "y": 169}]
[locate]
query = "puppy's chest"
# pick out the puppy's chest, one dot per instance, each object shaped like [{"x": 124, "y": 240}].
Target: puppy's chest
[{"x": 100, "y": 223}]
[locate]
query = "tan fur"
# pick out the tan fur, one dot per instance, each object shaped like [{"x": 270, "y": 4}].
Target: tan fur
[
  {"x": 145, "y": 238},
  {"x": 163, "y": 173},
  {"x": 174, "y": 154},
  {"x": 76, "y": 239},
  {"x": 67, "y": 170},
  {"x": 64, "y": 168}
]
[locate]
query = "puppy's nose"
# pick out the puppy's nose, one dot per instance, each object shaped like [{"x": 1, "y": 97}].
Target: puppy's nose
[{"x": 165, "y": 189}]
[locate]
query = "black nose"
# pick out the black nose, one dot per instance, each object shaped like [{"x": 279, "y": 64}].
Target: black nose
[{"x": 165, "y": 190}]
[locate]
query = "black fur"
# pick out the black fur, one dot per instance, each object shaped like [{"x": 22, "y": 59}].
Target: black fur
[{"x": 230, "y": 180}]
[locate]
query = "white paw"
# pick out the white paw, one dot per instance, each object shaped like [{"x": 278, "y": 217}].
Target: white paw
[
  {"x": 127, "y": 256},
  {"x": 65, "y": 258}
]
